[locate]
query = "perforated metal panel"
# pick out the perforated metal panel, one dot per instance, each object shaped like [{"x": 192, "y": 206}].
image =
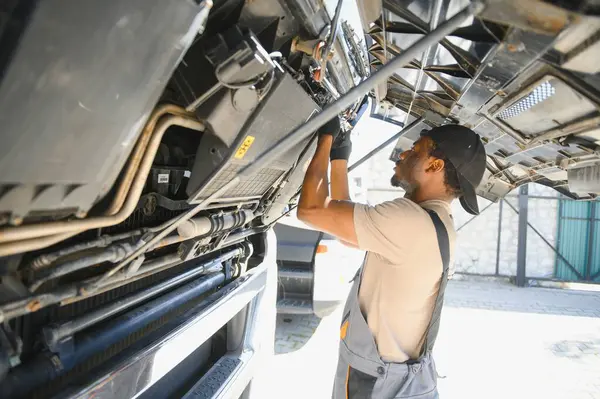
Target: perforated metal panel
[
  {"x": 539, "y": 94},
  {"x": 254, "y": 186}
]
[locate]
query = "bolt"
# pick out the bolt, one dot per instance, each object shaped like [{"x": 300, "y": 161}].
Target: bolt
[
  {"x": 149, "y": 205},
  {"x": 80, "y": 214},
  {"x": 14, "y": 361},
  {"x": 16, "y": 220},
  {"x": 515, "y": 47},
  {"x": 34, "y": 305}
]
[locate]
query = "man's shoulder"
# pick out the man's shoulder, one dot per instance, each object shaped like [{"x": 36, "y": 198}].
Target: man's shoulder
[
  {"x": 401, "y": 203},
  {"x": 441, "y": 207}
]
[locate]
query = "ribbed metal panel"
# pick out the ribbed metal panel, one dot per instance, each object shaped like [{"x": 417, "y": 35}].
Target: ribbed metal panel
[
  {"x": 574, "y": 241},
  {"x": 595, "y": 258}
]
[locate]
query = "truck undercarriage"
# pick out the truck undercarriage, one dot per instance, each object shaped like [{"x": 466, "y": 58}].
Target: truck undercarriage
[{"x": 148, "y": 148}]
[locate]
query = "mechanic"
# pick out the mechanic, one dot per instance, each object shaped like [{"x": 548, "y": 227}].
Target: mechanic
[{"x": 392, "y": 314}]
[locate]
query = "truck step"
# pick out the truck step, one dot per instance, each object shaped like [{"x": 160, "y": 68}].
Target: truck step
[
  {"x": 295, "y": 272},
  {"x": 212, "y": 382},
  {"x": 294, "y": 306}
]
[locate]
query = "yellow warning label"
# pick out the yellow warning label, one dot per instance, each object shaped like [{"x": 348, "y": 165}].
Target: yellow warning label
[{"x": 239, "y": 154}]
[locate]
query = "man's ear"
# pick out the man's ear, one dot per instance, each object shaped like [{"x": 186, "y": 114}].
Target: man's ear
[{"x": 436, "y": 165}]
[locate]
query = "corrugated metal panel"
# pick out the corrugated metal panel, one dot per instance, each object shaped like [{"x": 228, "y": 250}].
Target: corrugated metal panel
[
  {"x": 578, "y": 240},
  {"x": 572, "y": 239},
  {"x": 595, "y": 259}
]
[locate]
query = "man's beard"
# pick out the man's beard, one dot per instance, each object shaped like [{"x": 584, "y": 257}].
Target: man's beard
[
  {"x": 403, "y": 184},
  {"x": 396, "y": 182}
]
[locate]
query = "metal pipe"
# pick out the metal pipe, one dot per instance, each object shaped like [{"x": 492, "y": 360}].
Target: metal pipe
[
  {"x": 24, "y": 306},
  {"x": 137, "y": 185},
  {"x": 104, "y": 241},
  {"x": 112, "y": 254},
  {"x": 330, "y": 39},
  {"x": 381, "y": 146},
  {"x": 120, "y": 327},
  {"x": 165, "y": 242},
  {"x": 38, "y": 243},
  {"x": 139, "y": 151},
  {"x": 55, "y": 333},
  {"x": 150, "y": 244},
  {"x": 208, "y": 224},
  {"x": 17, "y": 383},
  {"x": 33, "y": 244},
  {"x": 149, "y": 268},
  {"x": 334, "y": 28},
  {"x": 76, "y": 292}
]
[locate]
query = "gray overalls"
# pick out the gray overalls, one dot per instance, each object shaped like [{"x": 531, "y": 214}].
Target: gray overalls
[{"x": 361, "y": 373}]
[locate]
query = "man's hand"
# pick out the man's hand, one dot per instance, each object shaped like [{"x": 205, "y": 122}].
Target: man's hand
[
  {"x": 331, "y": 128},
  {"x": 341, "y": 147}
]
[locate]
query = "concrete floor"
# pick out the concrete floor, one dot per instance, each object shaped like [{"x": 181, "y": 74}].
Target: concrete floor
[{"x": 496, "y": 341}]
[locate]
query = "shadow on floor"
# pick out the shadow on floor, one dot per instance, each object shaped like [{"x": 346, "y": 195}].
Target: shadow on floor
[
  {"x": 507, "y": 297},
  {"x": 294, "y": 331},
  {"x": 576, "y": 349}
]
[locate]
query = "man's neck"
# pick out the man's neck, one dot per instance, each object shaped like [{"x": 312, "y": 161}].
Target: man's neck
[{"x": 419, "y": 195}]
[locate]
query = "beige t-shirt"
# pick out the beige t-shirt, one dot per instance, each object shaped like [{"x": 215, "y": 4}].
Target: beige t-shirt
[{"x": 402, "y": 272}]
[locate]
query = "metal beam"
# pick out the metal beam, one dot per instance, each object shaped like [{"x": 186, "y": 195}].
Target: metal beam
[
  {"x": 491, "y": 33},
  {"x": 474, "y": 217},
  {"x": 522, "y": 242},
  {"x": 506, "y": 129},
  {"x": 585, "y": 123},
  {"x": 500, "y": 207},
  {"x": 556, "y": 251},
  {"x": 389, "y": 141},
  {"x": 464, "y": 58},
  {"x": 331, "y": 38},
  {"x": 334, "y": 28}
]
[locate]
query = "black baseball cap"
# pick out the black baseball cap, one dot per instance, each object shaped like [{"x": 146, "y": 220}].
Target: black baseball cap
[{"x": 464, "y": 149}]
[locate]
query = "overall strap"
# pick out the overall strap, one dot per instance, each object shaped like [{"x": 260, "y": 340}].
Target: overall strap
[{"x": 444, "y": 244}]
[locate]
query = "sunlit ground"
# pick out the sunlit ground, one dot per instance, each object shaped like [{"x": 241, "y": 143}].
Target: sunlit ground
[{"x": 536, "y": 343}]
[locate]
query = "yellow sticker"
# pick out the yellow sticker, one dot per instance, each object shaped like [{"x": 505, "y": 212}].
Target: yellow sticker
[{"x": 239, "y": 154}]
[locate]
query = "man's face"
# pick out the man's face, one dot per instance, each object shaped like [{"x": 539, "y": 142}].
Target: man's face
[{"x": 412, "y": 170}]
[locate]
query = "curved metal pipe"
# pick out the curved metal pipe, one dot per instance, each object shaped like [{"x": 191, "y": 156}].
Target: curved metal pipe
[
  {"x": 33, "y": 244},
  {"x": 45, "y": 260},
  {"x": 112, "y": 254},
  {"x": 138, "y": 152},
  {"x": 137, "y": 185}
]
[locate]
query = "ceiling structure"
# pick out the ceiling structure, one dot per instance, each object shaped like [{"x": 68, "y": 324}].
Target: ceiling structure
[{"x": 523, "y": 74}]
